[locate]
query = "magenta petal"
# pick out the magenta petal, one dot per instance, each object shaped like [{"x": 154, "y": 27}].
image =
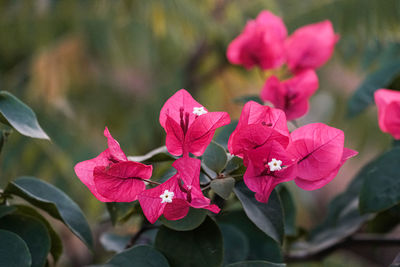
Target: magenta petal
[
  {"x": 318, "y": 149},
  {"x": 175, "y": 137},
  {"x": 188, "y": 170},
  {"x": 150, "y": 199},
  {"x": 260, "y": 44},
  {"x": 252, "y": 136},
  {"x": 84, "y": 171},
  {"x": 254, "y": 113},
  {"x": 313, "y": 185},
  {"x": 176, "y": 210},
  {"x": 181, "y": 99},
  {"x": 291, "y": 95},
  {"x": 388, "y": 103},
  {"x": 202, "y": 130},
  {"x": 123, "y": 181},
  {"x": 310, "y": 46},
  {"x": 113, "y": 146}
]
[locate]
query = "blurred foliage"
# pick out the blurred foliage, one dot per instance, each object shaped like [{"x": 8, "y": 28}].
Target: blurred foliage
[{"x": 83, "y": 65}]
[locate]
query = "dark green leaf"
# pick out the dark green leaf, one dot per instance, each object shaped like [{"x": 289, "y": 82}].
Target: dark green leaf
[
  {"x": 4, "y": 210},
  {"x": 364, "y": 94},
  {"x": 256, "y": 264},
  {"x": 157, "y": 155},
  {"x": 236, "y": 244},
  {"x": 56, "y": 248},
  {"x": 289, "y": 210},
  {"x": 197, "y": 248},
  {"x": 385, "y": 221},
  {"x": 262, "y": 247},
  {"x": 235, "y": 166},
  {"x": 223, "y": 187},
  {"x": 266, "y": 216},
  {"x": 139, "y": 256},
  {"x": 224, "y": 134},
  {"x": 215, "y": 157},
  {"x": 192, "y": 220},
  {"x": 114, "y": 242},
  {"x": 13, "y": 250},
  {"x": 33, "y": 232},
  {"x": 53, "y": 201},
  {"x": 246, "y": 98},
  {"x": 20, "y": 116},
  {"x": 120, "y": 211},
  {"x": 381, "y": 188}
]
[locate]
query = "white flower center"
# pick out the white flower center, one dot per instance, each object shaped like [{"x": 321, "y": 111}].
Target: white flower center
[
  {"x": 199, "y": 111},
  {"x": 167, "y": 196},
  {"x": 275, "y": 165}
]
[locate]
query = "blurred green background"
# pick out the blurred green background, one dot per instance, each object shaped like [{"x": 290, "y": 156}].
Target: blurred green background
[{"x": 83, "y": 65}]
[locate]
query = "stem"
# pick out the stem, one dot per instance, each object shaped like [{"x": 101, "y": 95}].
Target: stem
[{"x": 152, "y": 182}]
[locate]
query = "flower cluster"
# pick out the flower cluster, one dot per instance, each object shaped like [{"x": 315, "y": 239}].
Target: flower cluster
[
  {"x": 310, "y": 155},
  {"x": 264, "y": 43},
  {"x": 111, "y": 177}
]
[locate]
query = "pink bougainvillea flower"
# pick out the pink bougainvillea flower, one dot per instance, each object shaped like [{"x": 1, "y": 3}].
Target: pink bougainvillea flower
[
  {"x": 174, "y": 197},
  {"x": 110, "y": 176},
  {"x": 257, "y": 125},
  {"x": 319, "y": 151},
  {"x": 260, "y": 44},
  {"x": 189, "y": 126},
  {"x": 388, "y": 103},
  {"x": 268, "y": 166},
  {"x": 291, "y": 95},
  {"x": 310, "y": 46}
]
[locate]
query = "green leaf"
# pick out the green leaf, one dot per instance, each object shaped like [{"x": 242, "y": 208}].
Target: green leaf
[
  {"x": 55, "y": 202},
  {"x": 236, "y": 244},
  {"x": 33, "y": 232},
  {"x": 13, "y": 250},
  {"x": 56, "y": 248},
  {"x": 385, "y": 221},
  {"x": 191, "y": 221},
  {"x": 143, "y": 256},
  {"x": 364, "y": 94},
  {"x": 381, "y": 188},
  {"x": 215, "y": 157},
  {"x": 289, "y": 210},
  {"x": 223, "y": 187},
  {"x": 224, "y": 134},
  {"x": 159, "y": 154},
  {"x": 266, "y": 216},
  {"x": 114, "y": 242},
  {"x": 120, "y": 211},
  {"x": 4, "y": 210},
  {"x": 343, "y": 219},
  {"x": 262, "y": 247},
  {"x": 197, "y": 248},
  {"x": 20, "y": 116},
  {"x": 256, "y": 264},
  {"x": 246, "y": 98}
]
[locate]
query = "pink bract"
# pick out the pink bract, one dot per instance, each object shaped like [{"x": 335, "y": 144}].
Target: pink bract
[
  {"x": 185, "y": 189},
  {"x": 257, "y": 125},
  {"x": 292, "y": 95},
  {"x": 259, "y": 178},
  {"x": 260, "y": 44},
  {"x": 319, "y": 151},
  {"x": 122, "y": 181},
  {"x": 388, "y": 103},
  {"x": 189, "y": 126},
  {"x": 310, "y": 46},
  {"x": 104, "y": 166}
]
